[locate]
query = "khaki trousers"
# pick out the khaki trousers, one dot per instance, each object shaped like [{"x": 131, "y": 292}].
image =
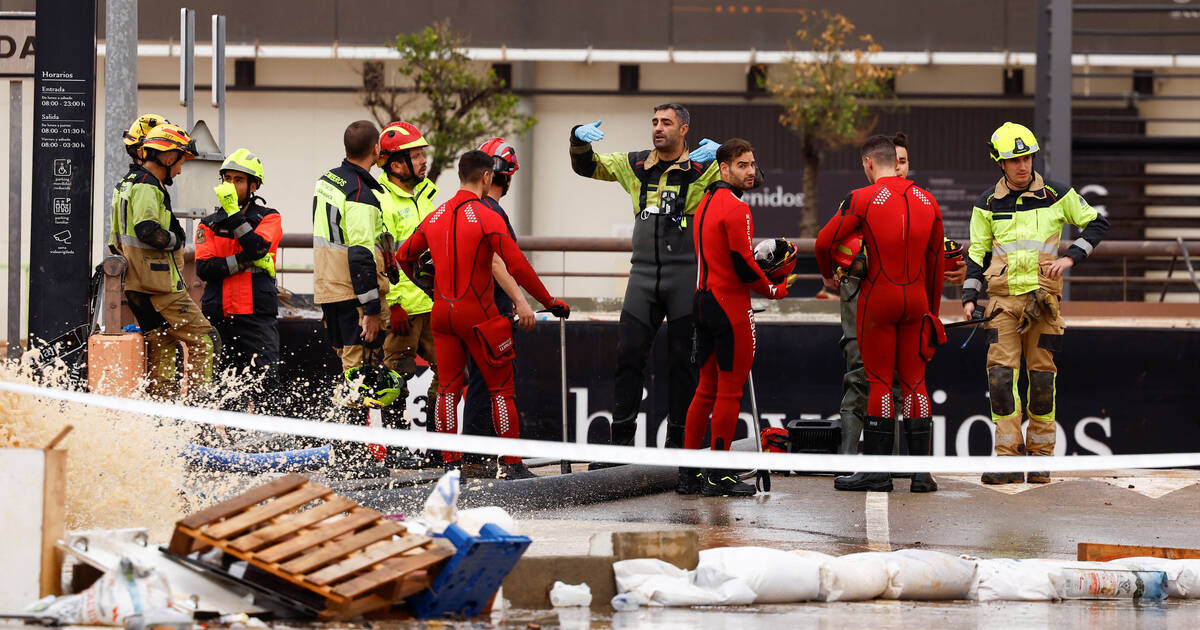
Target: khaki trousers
[{"x": 1041, "y": 327}]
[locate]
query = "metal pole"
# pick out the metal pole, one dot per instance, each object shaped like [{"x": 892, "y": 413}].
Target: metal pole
[
  {"x": 564, "y": 466},
  {"x": 1041, "y": 102},
  {"x": 120, "y": 88},
  {"x": 1060, "y": 103},
  {"x": 187, "y": 64},
  {"x": 218, "y": 77},
  {"x": 14, "y": 218}
]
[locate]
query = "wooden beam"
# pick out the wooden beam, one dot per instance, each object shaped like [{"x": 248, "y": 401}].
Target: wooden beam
[{"x": 1100, "y": 552}]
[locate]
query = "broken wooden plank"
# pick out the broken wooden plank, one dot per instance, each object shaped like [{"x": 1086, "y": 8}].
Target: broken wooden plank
[
  {"x": 316, "y": 536},
  {"x": 341, "y": 548},
  {"x": 271, "y": 533},
  {"x": 1100, "y": 552},
  {"x": 265, "y": 512},
  {"x": 377, "y": 552},
  {"x": 392, "y": 569}
]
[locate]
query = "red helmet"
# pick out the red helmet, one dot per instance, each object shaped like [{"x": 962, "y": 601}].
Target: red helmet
[
  {"x": 845, "y": 251},
  {"x": 504, "y": 157},
  {"x": 776, "y": 258},
  {"x": 396, "y": 138},
  {"x": 775, "y": 440},
  {"x": 953, "y": 251}
]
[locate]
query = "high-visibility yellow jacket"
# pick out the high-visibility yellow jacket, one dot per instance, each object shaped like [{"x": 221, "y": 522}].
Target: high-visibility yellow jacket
[
  {"x": 147, "y": 234},
  {"x": 1011, "y": 233},
  {"x": 347, "y": 225},
  {"x": 402, "y": 213}
]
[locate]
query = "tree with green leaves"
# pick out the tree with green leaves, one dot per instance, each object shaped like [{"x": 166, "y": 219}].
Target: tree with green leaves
[
  {"x": 827, "y": 90},
  {"x": 455, "y": 102}
]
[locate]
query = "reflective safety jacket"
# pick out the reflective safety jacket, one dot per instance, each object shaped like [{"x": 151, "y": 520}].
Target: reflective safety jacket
[
  {"x": 402, "y": 213},
  {"x": 664, "y": 196},
  {"x": 147, "y": 234},
  {"x": 1011, "y": 233},
  {"x": 347, "y": 225},
  {"x": 225, "y": 248}
]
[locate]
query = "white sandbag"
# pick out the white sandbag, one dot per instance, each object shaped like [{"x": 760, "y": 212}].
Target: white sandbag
[
  {"x": 1183, "y": 576},
  {"x": 1005, "y": 579},
  {"x": 128, "y": 589},
  {"x": 654, "y": 582},
  {"x": 927, "y": 575},
  {"x": 776, "y": 577},
  {"x": 854, "y": 577},
  {"x": 811, "y": 555}
]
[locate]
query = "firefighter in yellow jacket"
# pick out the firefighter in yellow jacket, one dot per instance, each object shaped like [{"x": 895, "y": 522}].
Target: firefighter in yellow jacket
[
  {"x": 146, "y": 232},
  {"x": 352, "y": 254},
  {"x": 406, "y": 199},
  {"x": 1015, "y": 230}
]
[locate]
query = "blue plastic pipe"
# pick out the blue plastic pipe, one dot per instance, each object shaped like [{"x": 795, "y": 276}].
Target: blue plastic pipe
[{"x": 279, "y": 461}]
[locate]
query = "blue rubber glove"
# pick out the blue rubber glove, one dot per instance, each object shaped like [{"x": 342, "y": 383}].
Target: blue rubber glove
[
  {"x": 706, "y": 152},
  {"x": 591, "y": 132}
]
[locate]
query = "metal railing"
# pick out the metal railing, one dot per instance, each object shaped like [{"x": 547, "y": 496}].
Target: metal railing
[{"x": 1107, "y": 250}]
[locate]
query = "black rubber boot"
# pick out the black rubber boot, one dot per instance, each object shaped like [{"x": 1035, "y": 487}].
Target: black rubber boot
[
  {"x": 690, "y": 481},
  {"x": 996, "y": 479},
  {"x": 674, "y": 435},
  {"x": 725, "y": 483},
  {"x": 919, "y": 433},
  {"x": 1039, "y": 476},
  {"x": 878, "y": 437},
  {"x": 515, "y": 471},
  {"x": 623, "y": 433}
]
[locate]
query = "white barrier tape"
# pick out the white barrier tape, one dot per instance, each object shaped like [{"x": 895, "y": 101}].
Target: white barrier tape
[{"x": 737, "y": 460}]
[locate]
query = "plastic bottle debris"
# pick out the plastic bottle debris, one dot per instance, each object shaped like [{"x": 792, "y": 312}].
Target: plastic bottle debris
[
  {"x": 1094, "y": 583},
  {"x": 570, "y": 595},
  {"x": 624, "y": 602}
]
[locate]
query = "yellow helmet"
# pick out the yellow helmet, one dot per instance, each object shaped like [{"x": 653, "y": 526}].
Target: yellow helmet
[
  {"x": 1012, "y": 140},
  {"x": 243, "y": 161},
  {"x": 138, "y": 130},
  {"x": 168, "y": 137}
]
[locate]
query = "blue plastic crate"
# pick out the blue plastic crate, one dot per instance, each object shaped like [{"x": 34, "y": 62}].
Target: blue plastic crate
[{"x": 472, "y": 575}]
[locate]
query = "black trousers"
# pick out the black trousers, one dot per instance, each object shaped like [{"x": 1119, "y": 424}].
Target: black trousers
[
  {"x": 250, "y": 345},
  {"x": 635, "y": 340}
]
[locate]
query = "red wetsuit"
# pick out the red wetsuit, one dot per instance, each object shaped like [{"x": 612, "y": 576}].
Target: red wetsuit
[
  {"x": 462, "y": 235},
  {"x": 902, "y": 230},
  {"x": 726, "y": 272}
]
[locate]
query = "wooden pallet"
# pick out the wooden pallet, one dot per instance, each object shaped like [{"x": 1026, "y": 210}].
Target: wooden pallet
[{"x": 341, "y": 551}]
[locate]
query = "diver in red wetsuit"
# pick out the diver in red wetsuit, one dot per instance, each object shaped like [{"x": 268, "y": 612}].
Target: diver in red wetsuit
[
  {"x": 462, "y": 235},
  {"x": 898, "y": 301},
  {"x": 724, "y": 347}
]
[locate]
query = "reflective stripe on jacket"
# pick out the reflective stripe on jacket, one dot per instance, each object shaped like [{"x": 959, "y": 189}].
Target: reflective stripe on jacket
[
  {"x": 141, "y": 200},
  {"x": 660, "y": 235},
  {"x": 1011, "y": 233},
  {"x": 225, "y": 248},
  {"x": 347, "y": 224},
  {"x": 402, "y": 213}
]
